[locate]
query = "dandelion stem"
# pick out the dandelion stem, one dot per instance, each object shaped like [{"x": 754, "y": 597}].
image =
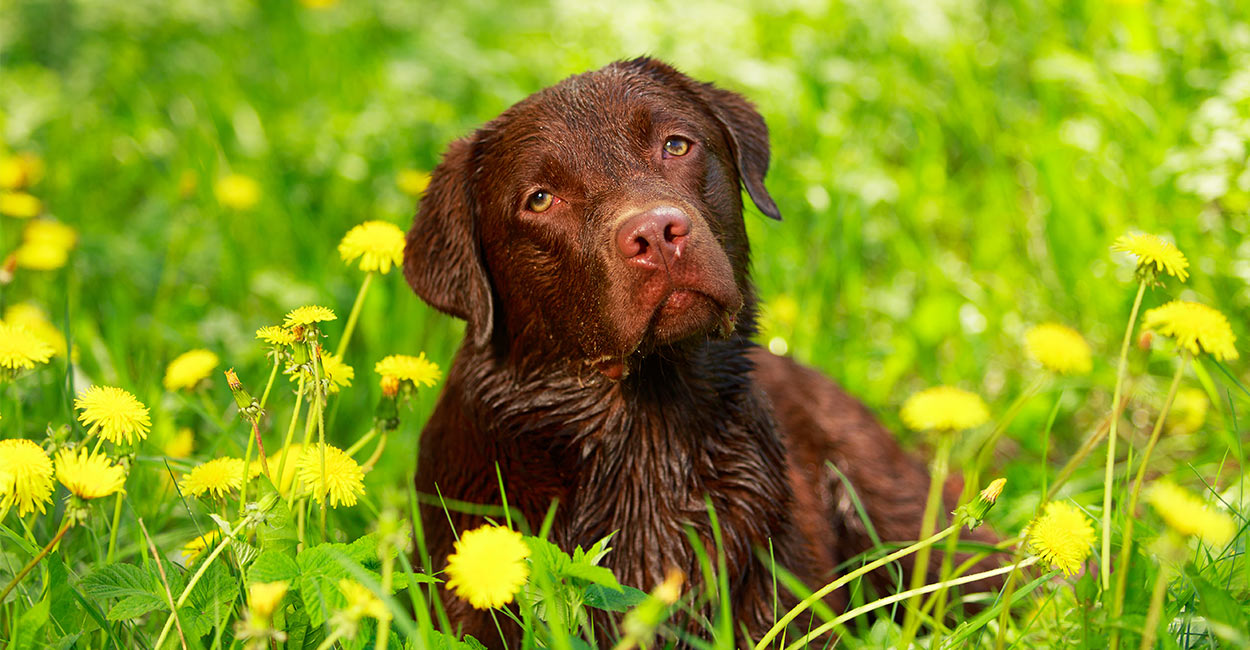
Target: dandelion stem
[
  {"x": 354, "y": 315},
  {"x": 806, "y": 603},
  {"x": 264, "y": 397},
  {"x": 195, "y": 579},
  {"x": 1109, "y": 473},
  {"x": 367, "y": 466},
  {"x": 247, "y": 462},
  {"x": 359, "y": 444},
  {"x": 117, "y": 515},
  {"x": 910, "y": 593},
  {"x": 290, "y": 435},
  {"x": 1151, "y": 628},
  {"x": 1126, "y": 545},
  {"x": 35, "y": 561},
  {"x": 938, "y": 471}
]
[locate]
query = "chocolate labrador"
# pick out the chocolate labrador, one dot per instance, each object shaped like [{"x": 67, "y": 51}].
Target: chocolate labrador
[{"x": 592, "y": 237}]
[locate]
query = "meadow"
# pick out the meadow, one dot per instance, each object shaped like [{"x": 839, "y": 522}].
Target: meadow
[{"x": 176, "y": 175}]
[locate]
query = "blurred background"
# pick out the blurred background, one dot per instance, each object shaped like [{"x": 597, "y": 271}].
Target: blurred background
[{"x": 950, "y": 172}]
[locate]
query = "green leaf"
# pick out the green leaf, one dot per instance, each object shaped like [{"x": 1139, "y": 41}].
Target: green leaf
[
  {"x": 277, "y": 530},
  {"x": 64, "y": 608},
  {"x": 68, "y": 641},
  {"x": 593, "y": 574},
  {"x": 1218, "y": 606},
  {"x": 30, "y": 627},
  {"x": 320, "y": 569},
  {"x": 119, "y": 581},
  {"x": 215, "y": 593},
  {"x": 135, "y": 606},
  {"x": 614, "y": 600},
  {"x": 272, "y": 566}
]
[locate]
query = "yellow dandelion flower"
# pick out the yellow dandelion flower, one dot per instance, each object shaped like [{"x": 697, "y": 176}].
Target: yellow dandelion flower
[
  {"x": 1196, "y": 327},
  {"x": 308, "y": 315},
  {"x": 1189, "y": 411},
  {"x": 25, "y": 476},
  {"x": 944, "y": 408},
  {"x": 188, "y": 369},
  {"x": 337, "y": 373},
  {"x": 50, "y": 232},
  {"x": 361, "y": 602},
  {"x": 276, "y": 335},
  {"x": 37, "y": 322},
  {"x": 88, "y": 476},
  {"x": 237, "y": 191},
  {"x": 21, "y": 170},
  {"x": 181, "y": 445},
  {"x": 113, "y": 413},
  {"x": 1059, "y": 349},
  {"x": 418, "y": 370},
  {"x": 1154, "y": 254},
  {"x": 378, "y": 244},
  {"x": 318, "y": 4},
  {"x": 41, "y": 256},
  {"x": 288, "y": 459},
  {"x": 216, "y": 478},
  {"x": 20, "y": 205},
  {"x": 1186, "y": 514},
  {"x": 263, "y": 598},
  {"x": 344, "y": 480},
  {"x": 1061, "y": 536},
  {"x": 412, "y": 181},
  {"x": 488, "y": 566},
  {"x": 21, "y": 349},
  {"x": 196, "y": 547}
]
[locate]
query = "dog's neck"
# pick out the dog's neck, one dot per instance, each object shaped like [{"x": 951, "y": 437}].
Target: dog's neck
[{"x": 644, "y": 453}]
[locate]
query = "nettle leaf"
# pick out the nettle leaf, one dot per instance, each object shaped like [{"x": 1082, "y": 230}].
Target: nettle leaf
[
  {"x": 320, "y": 569},
  {"x": 622, "y": 600},
  {"x": 272, "y": 566},
  {"x": 135, "y": 606},
  {"x": 215, "y": 593},
  {"x": 120, "y": 581},
  {"x": 29, "y": 633}
]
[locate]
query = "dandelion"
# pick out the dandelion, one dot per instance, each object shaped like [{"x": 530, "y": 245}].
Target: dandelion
[
  {"x": 276, "y": 336},
  {"x": 1196, "y": 327},
  {"x": 216, "y": 478},
  {"x": 20, "y": 205},
  {"x": 50, "y": 232},
  {"x": 41, "y": 256},
  {"x": 181, "y": 445},
  {"x": 1186, "y": 514},
  {"x": 1154, "y": 255},
  {"x": 20, "y": 349},
  {"x": 33, "y": 319},
  {"x": 337, "y": 374},
  {"x": 944, "y": 408},
  {"x": 361, "y": 602},
  {"x": 113, "y": 413},
  {"x": 25, "y": 476},
  {"x": 308, "y": 315},
  {"x": 88, "y": 476},
  {"x": 488, "y": 566},
  {"x": 418, "y": 370},
  {"x": 412, "y": 181},
  {"x": 263, "y": 598},
  {"x": 1059, "y": 349},
  {"x": 196, "y": 547},
  {"x": 1062, "y": 536},
  {"x": 378, "y": 244},
  {"x": 188, "y": 369},
  {"x": 21, "y": 170},
  {"x": 237, "y": 191},
  {"x": 343, "y": 480}
]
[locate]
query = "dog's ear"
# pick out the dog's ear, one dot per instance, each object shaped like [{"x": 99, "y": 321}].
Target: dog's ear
[
  {"x": 442, "y": 259},
  {"x": 748, "y": 140}
]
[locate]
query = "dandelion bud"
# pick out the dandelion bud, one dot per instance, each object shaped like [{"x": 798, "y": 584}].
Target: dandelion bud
[
  {"x": 640, "y": 624},
  {"x": 248, "y": 406},
  {"x": 386, "y": 416},
  {"x": 974, "y": 513},
  {"x": 1144, "y": 341},
  {"x": 670, "y": 590},
  {"x": 390, "y": 386}
]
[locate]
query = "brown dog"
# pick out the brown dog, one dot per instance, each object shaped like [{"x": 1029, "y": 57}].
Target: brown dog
[{"x": 592, "y": 237}]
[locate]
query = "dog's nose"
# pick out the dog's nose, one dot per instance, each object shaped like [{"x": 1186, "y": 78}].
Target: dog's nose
[{"x": 653, "y": 236}]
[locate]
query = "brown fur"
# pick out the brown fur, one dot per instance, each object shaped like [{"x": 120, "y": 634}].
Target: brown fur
[{"x": 631, "y": 391}]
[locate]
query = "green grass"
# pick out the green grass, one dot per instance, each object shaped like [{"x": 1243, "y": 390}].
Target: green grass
[{"x": 949, "y": 174}]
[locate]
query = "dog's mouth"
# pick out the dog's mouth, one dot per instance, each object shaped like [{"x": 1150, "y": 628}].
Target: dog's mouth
[{"x": 687, "y": 312}]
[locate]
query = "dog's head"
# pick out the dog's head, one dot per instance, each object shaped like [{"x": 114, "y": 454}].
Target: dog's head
[{"x": 595, "y": 220}]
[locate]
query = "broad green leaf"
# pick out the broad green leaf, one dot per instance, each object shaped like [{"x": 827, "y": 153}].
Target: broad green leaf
[
  {"x": 119, "y": 581},
  {"x": 277, "y": 530},
  {"x": 135, "y": 606},
  {"x": 64, "y": 609},
  {"x": 614, "y": 600},
  {"x": 320, "y": 569},
  {"x": 1219, "y": 607},
  {"x": 30, "y": 634},
  {"x": 272, "y": 566}
]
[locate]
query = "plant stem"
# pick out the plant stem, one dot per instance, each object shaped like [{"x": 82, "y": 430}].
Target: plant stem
[
  {"x": 829, "y": 588},
  {"x": 331, "y": 639},
  {"x": 35, "y": 561},
  {"x": 290, "y": 435},
  {"x": 910, "y": 593},
  {"x": 359, "y": 444},
  {"x": 937, "y": 479},
  {"x": 264, "y": 398},
  {"x": 1151, "y": 630},
  {"x": 367, "y": 466},
  {"x": 182, "y": 599},
  {"x": 1108, "y": 476},
  {"x": 247, "y": 462},
  {"x": 1126, "y": 546},
  {"x": 117, "y": 515},
  {"x": 354, "y": 315}
]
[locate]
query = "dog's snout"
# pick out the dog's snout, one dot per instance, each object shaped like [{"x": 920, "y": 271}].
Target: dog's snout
[{"x": 652, "y": 236}]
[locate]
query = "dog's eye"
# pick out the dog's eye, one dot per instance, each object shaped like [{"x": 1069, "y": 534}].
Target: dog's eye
[
  {"x": 676, "y": 146},
  {"x": 540, "y": 201}
]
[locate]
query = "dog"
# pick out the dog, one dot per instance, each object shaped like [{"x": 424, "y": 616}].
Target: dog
[{"x": 592, "y": 237}]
